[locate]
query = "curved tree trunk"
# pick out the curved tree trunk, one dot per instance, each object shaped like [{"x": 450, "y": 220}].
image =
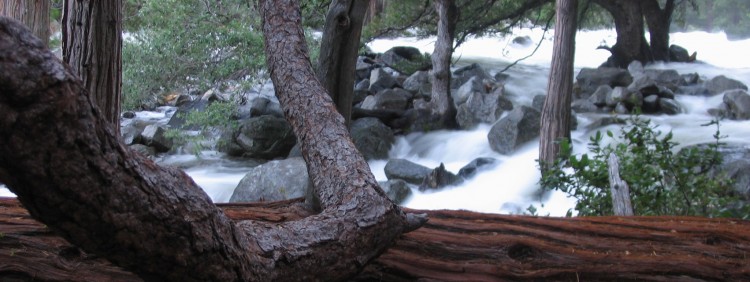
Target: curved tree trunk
[
  {"x": 556, "y": 110},
  {"x": 67, "y": 166},
  {"x": 33, "y": 13},
  {"x": 456, "y": 246},
  {"x": 631, "y": 42},
  {"x": 441, "y": 99},
  {"x": 338, "y": 52},
  {"x": 92, "y": 44}
]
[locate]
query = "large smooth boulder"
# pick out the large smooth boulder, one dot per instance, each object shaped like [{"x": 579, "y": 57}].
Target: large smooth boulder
[
  {"x": 399, "y": 54},
  {"x": 419, "y": 84},
  {"x": 589, "y": 79},
  {"x": 719, "y": 84},
  {"x": 396, "y": 99},
  {"x": 380, "y": 80},
  {"x": 373, "y": 138},
  {"x": 155, "y": 136},
  {"x": 471, "y": 86},
  {"x": 396, "y": 189},
  {"x": 518, "y": 127},
  {"x": 263, "y": 137},
  {"x": 177, "y": 121},
  {"x": 462, "y": 75},
  {"x": 482, "y": 108},
  {"x": 475, "y": 166},
  {"x": 406, "y": 170},
  {"x": 737, "y": 104},
  {"x": 273, "y": 181}
]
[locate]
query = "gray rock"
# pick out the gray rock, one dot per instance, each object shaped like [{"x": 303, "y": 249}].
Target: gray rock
[
  {"x": 584, "y": 106},
  {"x": 373, "y": 138},
  {"x": 650, "y": 104},
  {"x": 690, "y": 79},
  {"x": 387, "y": 99},
  {"x": 406, "y": 170},
  {"x": 737, "y": 104},
  {"x": 678, "y": 54},
  {"x": 128, "y": 114},
  {"x": 177, "y": 121},
  {"x": 482, "y": 108},
  {"x": 439, "y": 178},
  {"x": 693, "y": 90},
  {"x": 633, "y": 100},
  {"x": 524, "y": 41},
  {"x": 621, "y": 109},
  {"x": 363, "y": 67},
  {"x": 154, "y": 136},
  {"x": 669, "y": 106},
  {"x": 264, "y": 137},
  {"x": 538, "y": 102},
  {"x": 473, "y": 85},
  {"x": 518, "y": 127},
  {"x": 398, "y": 54},
  {"x": 635, "y": 68},
  {"x": 604, "y": 121},
  {"x": 397, "y": 190},
  {"x": 588, "y": 79},
  {"x": 362, "y": 85},
  {"x": 419, "y": 84},
  {"x": 644, "y": 84},
  {"x": 380, "y": 80},
  {"x": 143, "y": 150},
  {"x": 719, "y": 84},
  {"x": 477, "y": 165},
  {"x": 601, "y": 96},
  {"x": 667, "y": 78},
  {"x": 273, "y": 181},
  {"x": 462, "y": 75}
]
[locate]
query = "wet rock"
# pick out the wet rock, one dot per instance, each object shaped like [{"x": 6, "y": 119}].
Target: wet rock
[
  {"x": 719, "y": 84},
  {"x": 155, "y": 136},
  {"x": 128, "y": 114},
  {"x": 389, "y": 99},
  {"x": 264, "y": 137},
  {"x": 477, "y": 165},
  {"x": 518, "y": 127},
  {"x": 373, "y": 138},
  {"x": 588, "y": 79},
  {"x": 601, "y": 95},
  {"x": 439, "y": 178},
  {"x": 143, "y": 150},
  {"x": 419, "y": 84},
  {"x": 669, "y": 106},
  {"x": 737, "y": 104},
  {"x": 397, "y": 190},
  {"x": 273, "y": 181},
  {"x": 462, "y": 75},
  {"x": 380, "y": 80},
  {"x": 406, "y": 170},
  {"x": 482, "y": 108}
]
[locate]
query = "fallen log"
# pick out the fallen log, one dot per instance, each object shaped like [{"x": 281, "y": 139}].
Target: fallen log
[{"x": 454, "y": 246}]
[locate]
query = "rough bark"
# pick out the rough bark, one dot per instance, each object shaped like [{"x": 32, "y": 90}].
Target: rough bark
[
  {"x": 618, "y": 188},
  {"x": 92, "y": 46},
  {"x": 658, "y": 21},
  {"x": 631, "y": 42},
  {"x": 456, "y": 246},
  {"x": 68, "y": 167},
  {"x": 556, "y": 110},
  {"x": 338, "y": 52},
  {"x": 33, "y": 13},
  {"x": 441, "y": 99}
]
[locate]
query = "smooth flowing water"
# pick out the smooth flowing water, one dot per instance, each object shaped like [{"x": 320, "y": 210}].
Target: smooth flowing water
[{"x": 511, "y": 186}]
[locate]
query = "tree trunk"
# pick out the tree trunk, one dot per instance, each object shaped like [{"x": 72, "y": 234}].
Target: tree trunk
[
  {"x": 556, "y": 110},
  {"x": 618, "y": 188},
  {"x": 33, "y": 13},
  {"x": 631, "y": 42},
  {"x": 658, "y": 21},
  {"x": 92, "y": 44},
  {"x": 441, "y": 99},
  {"x": 68, "y": 167},
  {"x": 455, "y": 246},
  {"x": 338, "y": 52}
]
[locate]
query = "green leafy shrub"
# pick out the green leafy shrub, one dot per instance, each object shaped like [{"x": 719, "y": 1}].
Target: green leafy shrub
[
  {"x": 662, "y": 181},
  {"x": 218, "y": 115}
]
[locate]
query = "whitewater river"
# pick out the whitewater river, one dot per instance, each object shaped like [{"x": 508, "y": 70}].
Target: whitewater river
[{"x": 510, "y": 186}]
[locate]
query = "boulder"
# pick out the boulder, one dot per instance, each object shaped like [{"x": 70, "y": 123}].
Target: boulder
[
  {"x": 396, "y": 99},
  {"x": 601, "y": 96},
  {"x": 462, "y": 75},
  {"x": 719, "y": 84},
  {"x": 669, "y": 106},
  {"x": 589, "y": 79},
  {"x": 518, "y": 127},
  {"x": 396, "y": 189},
  {"x": 538, "y": 102},
  {"x": 273, "y": 181},
  {"x": 155, "y": 136},
  {"x": 439, "y": 178},
  {"x": 263, "y": 137},
  {"x": 482, "y": 108},
  {"x": 177, "y": 121},
  {"x": 128, "y": 114},
  {"x": 679, "y": 54},
  {"x": 419, "y": 84},
  {"x": 373, "y": 138},
  {"x": 604, "y": 121},
  {"x": 363, "y": 67},
  {"x": 398, "y": 54},
  {"x": 472, "y": 85},
  {"x": 737, "y": 104},
  {"x": 477, "y": 165},
  {"x": 584, "y": 106},
  {"x": 523, "y": 41},
  {"x": 380, "y": 80},
  {"x": 406, "y": 170},
  {"x": 143, "y": 149},
  {"x": 650, "y": 104}
]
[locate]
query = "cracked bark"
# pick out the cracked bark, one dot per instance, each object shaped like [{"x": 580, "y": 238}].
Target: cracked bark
[{"x": 67, "y": 166}]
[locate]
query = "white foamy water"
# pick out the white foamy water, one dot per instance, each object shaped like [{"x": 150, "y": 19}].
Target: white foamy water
[{"x": 511, "y": 186}]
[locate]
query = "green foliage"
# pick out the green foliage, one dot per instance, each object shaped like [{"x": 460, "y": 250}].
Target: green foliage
[
  {"x": 408, "y": 67},
  {"x": 218, "y": 115},
  {"x": 730, "y": 16},
  {"x": 661, "y": 181},
  {"x": 188, "y": 45}
]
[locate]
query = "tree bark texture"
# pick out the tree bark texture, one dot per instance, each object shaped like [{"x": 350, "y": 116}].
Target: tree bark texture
[
  {"x": 455, "y": 246},
  {"x": 556, "y": 110},
  {"x": 68, "y": 167},
  {"x": 92, "y": 46},
  {"x": 658, "y": 21},
  {"x": 618, "y": 188},
  {"x": 441, "y": 99},
  {"x": 33, "y": 13},
  {"x": 338, "y": 52},
  {"x": 631, "y": 41}
]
